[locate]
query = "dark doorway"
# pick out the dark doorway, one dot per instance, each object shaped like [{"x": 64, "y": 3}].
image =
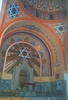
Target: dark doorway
[{"x": 23, "y": 78}]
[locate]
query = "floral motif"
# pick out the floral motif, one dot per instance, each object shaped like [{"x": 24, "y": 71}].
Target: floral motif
[
  {"x": 13, "y": 10},
  {"x": 60, "y": 28}
]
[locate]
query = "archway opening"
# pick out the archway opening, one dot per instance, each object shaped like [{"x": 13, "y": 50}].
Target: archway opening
[{"x": 23, "y": 78}]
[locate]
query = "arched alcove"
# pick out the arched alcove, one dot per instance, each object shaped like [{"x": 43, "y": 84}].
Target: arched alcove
[{"x": 23, "y": 78}]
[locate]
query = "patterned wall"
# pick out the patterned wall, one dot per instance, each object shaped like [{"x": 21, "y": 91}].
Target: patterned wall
[
  {"x": 15, "y": 11},
  {"x": 45, "y": 8},
  {"x": 33, "y": 40}
]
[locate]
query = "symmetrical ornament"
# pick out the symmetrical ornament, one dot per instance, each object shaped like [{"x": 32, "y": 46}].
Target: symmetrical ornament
[
  {"x": 45, "y": 8},
  {"x": 32, "y": 27},
  {"x": 47, "y": 5},
  {"x": 60, "y": 28},
  {"x": 24, "y": 53},
  {"x": 14, "y": 10}
]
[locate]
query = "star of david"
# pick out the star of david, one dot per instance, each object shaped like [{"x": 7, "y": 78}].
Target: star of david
[
  {"x": 14, "y": 10},
  {"x": 24, "y": 53},
  {"x": 60, "y": 28}
]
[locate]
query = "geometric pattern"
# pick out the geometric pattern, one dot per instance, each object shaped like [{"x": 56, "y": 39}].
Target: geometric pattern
[
  {"x": 47, "y": 5},
  {"x": 24, "y": 53},
  {"x": 18, "y": 53},
  {"x": 43, "y": 8},
  {"x": 60, "y": 28},
  {"x": 13, "y": 10}
]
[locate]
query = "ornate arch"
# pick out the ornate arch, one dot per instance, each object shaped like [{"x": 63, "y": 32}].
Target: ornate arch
[
  {"x": 20, "y": 51},
  {"x": 41, "y": 44},
  {"x": 48, "y": 37}
]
